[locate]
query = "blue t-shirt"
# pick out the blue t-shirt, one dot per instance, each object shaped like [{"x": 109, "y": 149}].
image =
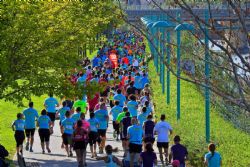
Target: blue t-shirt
[
  {"x": 142, "y": 118},
  {"x": 137, "y": 82},
  {"x": 132, "y": 105},
  {"x": 149, "y": 110},
  {"x": 62, "y": 112},
  {"x": 144, "y": 81},
  {"x": 121, "y": 98},
  {"x": 19, "y": 124},
  {"x": 115, "y": 111},
  {"x": 51, "y": 104},
  {"x": 93, "y": 124},
  {"x": 101, "y": 116},
  {"x": 43, "y": 122},
  {"x": 30, "y": 116},
  {"x": 136, "y": 133},
  {"x": 82, "y": 79},
  {"x": 68, "y": 125},
  {"x": 213, "y": 161},
  {"x": 76, "y": 117}
]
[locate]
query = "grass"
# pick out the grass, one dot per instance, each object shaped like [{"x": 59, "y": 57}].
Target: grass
[
  {"x": 233, "y": 144},
  {"x": 8, "y": 112}
]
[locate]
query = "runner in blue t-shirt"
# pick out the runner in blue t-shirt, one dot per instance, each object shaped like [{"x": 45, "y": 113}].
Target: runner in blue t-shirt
[
  {"x": 135, "y": 134},
  {"x": 120, "y": 97},
  {"x": 50, "y": 104},
  {"x": 102, "y": 116},
  {"x": 115, "y": 111},
  {"x": 67, "y": 129},
  {"x": 30, "y": 115},
  {"x": 18, "y": 126},
  {"x": 213, "y": 158},
  {"x": 132, "y": 106},
  {"x": 62, "y": 111},
  {"x": 44, "y": 123},
  {"x": 77, "y": 115},
  {"x": 93, "y": 134},
  {"x": 143, "y": 116}
]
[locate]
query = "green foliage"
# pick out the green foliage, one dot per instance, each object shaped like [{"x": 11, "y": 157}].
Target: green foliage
[
  {"x": 233, "y": 144},
  {"x": 40, "y": 39}
]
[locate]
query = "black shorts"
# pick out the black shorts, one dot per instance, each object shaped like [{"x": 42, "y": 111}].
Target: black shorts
[
  {"x": 93, "y": 136},
  {"x": 67, "y": 139},
  {"x": 149, "y": 140},
  {"x": 162, "y": 145},
  {"x": 79, "y": 145},
  {"x": 116, "y": 126},
  {"x": 30, "y": 132},
  {"x": 135, "y": 148},
  {"x": 52, "y": 116},
  {"x": 19, "y": 137},
  {"x": 44, "y": 135},
  {"x": 102, "y": 132}
]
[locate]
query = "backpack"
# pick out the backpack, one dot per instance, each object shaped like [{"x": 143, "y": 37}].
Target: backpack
[{"x": 80, "y": 135}]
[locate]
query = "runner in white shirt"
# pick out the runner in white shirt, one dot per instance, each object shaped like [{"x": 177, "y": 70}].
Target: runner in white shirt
[{"x": 163, "y": 129}]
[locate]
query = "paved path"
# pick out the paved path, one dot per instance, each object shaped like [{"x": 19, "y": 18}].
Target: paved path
[{"x": 58, "y": 158}]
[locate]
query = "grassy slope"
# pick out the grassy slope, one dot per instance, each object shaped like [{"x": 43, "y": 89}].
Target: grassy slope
[
  {"x": 233, "y": 144},
  {"x": 8, "y": 113}
]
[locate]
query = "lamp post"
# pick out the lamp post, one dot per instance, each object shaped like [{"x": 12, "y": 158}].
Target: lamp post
[
  {"x": 178, "y": 29},
  {"x": 165, "y": 25}
]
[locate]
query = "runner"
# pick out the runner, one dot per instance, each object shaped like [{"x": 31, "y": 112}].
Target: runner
[
  {"x": 18, "y": 126},
  {"x": 102, "y": 116},
  {"x": 162, "y": 129},
  {"x": 93, "y": 134},
  {"x": 120, "y": 97},
  {"x": 135, "y": 134},
  {"x": 110, "y": 160},
  {"x": 212, "y": 158},
  {"x": 178, "y": 152},
  {"x": 77, "y": 115},
  {"x": 148, "y": 128},
  {"x": 50, "y": 104},
  {"x": 82, "y": 104},
  {"x": 132, "y": 106},
  {"x": 67, "y": 132},
  {"x": 148, "y": 158},
  {"x": 44, "y": 123},
  {"x": 125, "y": 123},
  {"x": 115, "y": 111},
  {"x": 30, "y": 115},
  {"x": 79, "y": 138},
  {"x": 142, "y": 117}
]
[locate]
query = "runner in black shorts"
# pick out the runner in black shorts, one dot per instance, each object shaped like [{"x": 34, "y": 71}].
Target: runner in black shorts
[
  {"x": 93, "y": 135},
  {"x": 18, "y": 127},
  {"x": 125, "y": 123}
]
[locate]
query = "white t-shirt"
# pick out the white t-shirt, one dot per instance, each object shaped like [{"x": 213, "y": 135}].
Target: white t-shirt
[{"x": 162, "y": 128}]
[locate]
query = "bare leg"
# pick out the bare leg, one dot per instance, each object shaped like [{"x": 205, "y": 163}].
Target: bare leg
[
  {"x": 67, "y": 149},
  {"x": 84, "y": 155},
  {"x": 47, "y": 147},
  {"x": 161, "y": 156},
  {"x": 166, "y": 154},
  {"x": 132, "y": 157},
  {"x": 31, "y": 142},
  {"x": 42, "y": 145}
]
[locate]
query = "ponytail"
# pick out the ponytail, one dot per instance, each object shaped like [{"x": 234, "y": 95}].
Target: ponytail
[{"x": 211, "y": 148}]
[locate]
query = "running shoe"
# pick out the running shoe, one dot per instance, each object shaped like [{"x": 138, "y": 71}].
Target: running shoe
[
  {"x": 114, "y": 134},
  {"x": 27, "y": 146},
  {"x": 31, "y": 150}
]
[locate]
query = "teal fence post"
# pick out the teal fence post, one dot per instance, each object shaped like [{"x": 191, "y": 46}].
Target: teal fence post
[
  {"x": 178, "y": 112},
  {"x": 163, "y": 60},
  {"x": 157, "y": 50},
  {"x": 207, "y": 75},
  {"x": 168, "y": 71},
  {"x": 161, "y": 53}
]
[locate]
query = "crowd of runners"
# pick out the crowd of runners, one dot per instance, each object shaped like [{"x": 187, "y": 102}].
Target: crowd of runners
[{"x": 121, "y": 66}]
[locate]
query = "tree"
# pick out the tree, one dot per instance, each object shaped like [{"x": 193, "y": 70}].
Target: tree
[{"x": 39, "y": 43}]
